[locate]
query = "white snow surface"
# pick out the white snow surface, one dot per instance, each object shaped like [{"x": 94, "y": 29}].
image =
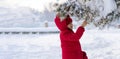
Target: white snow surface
[{"x": 98, "y": 44}]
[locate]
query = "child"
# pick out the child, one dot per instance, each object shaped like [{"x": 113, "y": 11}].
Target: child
[{"x": 71, "y": 48}]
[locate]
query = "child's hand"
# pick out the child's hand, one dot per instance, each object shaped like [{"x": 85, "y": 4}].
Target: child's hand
[{"x": 84, "y": 23}]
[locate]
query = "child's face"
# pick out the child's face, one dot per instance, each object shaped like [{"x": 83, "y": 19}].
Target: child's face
[{"x": 70, "y": 26}]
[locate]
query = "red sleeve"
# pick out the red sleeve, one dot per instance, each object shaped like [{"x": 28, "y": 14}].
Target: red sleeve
[
  {"x": 75, "y": 36},
  {"x": 79, "y": 32},
  {"x": 57, "y": 20}
]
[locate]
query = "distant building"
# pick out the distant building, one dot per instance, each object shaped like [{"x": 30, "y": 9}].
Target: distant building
[{"x": 119, "y": 26}]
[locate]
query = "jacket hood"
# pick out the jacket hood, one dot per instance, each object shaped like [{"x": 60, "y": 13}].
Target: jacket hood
[{"x": 62, "y": 24}]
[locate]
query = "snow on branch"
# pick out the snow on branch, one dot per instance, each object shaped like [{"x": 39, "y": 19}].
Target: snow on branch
[{"x": 100, "y": 13}]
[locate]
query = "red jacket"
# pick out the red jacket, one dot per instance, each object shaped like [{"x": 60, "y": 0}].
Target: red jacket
[{"x": 71, "y": 48}]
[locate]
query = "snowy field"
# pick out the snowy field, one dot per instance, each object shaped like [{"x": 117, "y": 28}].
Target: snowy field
[{"x": 98, "y": 45}]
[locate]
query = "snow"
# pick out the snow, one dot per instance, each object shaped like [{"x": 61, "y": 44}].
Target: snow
[
  {"x": 109, "y": 6},
  {"x": 24, "y": 17},
  {"x": 103, "y": 6},
  {"x": 29, "y": 46},
  {"x": 102, "y": 44},
  {"x": 99, "y": 44}
]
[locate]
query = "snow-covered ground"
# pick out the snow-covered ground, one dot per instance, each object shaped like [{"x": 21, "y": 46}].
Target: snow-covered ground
[{"x": 99, "y": 44}]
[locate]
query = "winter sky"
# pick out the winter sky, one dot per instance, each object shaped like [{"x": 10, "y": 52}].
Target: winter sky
[{"x": 36, "y": 4}]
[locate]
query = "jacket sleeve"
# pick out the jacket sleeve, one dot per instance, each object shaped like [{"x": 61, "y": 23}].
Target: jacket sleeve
[
  {"x": 75, "y": 36},
  {"x": 57, "y": 20}
]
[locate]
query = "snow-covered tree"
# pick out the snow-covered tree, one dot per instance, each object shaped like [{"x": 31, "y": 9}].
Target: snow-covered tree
[{"x": 101, "y": 13}]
